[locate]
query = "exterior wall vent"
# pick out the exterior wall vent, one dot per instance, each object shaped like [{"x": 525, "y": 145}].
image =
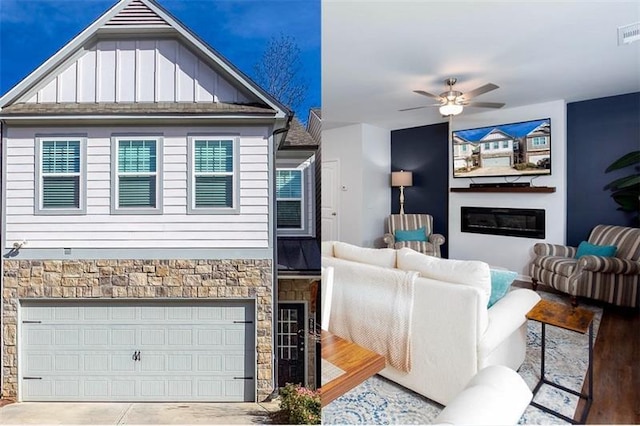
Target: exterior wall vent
[{"x": 628, "y": 33}]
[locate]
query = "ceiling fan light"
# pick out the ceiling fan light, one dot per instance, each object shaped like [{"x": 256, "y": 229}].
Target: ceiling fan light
[{"x": 450, "y": 109}]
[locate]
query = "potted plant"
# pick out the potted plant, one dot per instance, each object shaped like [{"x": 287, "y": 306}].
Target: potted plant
[{"x": 625, "y": 191}]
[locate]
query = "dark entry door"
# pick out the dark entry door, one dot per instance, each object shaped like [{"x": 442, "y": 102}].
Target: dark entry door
[{"x": 291, "y": 343}]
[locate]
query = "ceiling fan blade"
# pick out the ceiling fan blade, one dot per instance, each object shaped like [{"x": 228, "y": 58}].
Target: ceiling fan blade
[
  {"x": 409, "y": 109},
  {"x": 427, "y": 94},
  {"x": 479, "y": 91},
  {"x": 485, "y": 104}
]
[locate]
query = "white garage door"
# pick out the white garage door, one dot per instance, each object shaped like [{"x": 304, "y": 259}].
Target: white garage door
[
  {"x": 496, "y": 162},
  {"x": 169, "y": 351}
]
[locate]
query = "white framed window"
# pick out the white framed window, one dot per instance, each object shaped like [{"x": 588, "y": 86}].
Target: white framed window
[
  {"x": 60, "y": 175},
  {"x": 137, "y": 175},
  {"x": 213, "y": 175},
  {"x": 487, "y": 145},
  {"x": 505, "y": 144},
  {"x": 496, "y": 145},
  {"x": 290, "y": 198},
  {"x": 539, "y": 141}
]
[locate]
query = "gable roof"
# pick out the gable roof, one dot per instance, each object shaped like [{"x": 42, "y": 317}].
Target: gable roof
[
  {"x": 298, "y": 137},
  {"x": 134, "y": 17}
]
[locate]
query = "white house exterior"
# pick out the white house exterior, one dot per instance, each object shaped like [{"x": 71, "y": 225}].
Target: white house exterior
[
  {"x": 496, "y": 150},
  {"x": 138, "y": 227}
]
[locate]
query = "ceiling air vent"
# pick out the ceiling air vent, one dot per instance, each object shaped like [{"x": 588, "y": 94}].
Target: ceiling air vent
[{"x": 628, "y": 33}]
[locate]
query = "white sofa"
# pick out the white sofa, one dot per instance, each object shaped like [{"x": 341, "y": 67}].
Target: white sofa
[{"x": 454, "y": 334}]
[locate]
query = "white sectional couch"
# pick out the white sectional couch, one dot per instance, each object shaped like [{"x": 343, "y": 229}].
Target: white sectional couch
[{"x": 454, "y": 334}]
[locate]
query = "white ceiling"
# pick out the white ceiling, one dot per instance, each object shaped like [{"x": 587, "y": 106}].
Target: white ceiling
[{"x": 375, "y": 53}]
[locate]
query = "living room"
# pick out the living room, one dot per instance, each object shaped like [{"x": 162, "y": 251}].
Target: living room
[{"x": 556, "y": 61}]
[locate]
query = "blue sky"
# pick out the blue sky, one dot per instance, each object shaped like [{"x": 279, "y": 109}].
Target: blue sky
[{"x": 33, "y": 30}]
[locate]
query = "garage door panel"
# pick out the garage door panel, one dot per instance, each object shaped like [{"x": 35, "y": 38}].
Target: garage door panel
[
  {"x": 180, "y": 363},
  {"x": 180, "y": 337},
  {"x": 209, "y": 363},
  {"x": 188, "y": 352},
  {"x": 67, "y": 336},
  {"x": 123, "y": 389},
  {"x": 96, "y": 388},
  {"x": 38, "y": 337},
  {"x": 96, "y": 363},
  {"x": 96, "y": 336},
  {"x": 37, "y": 363},
  {"x": 123, "y": 337},
  {"x": 208, "y": 337},
  {"x": 67, "y": 362},
  {"x": 152, "y": 337}
]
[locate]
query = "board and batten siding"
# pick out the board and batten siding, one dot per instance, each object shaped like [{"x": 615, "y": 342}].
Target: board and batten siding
[
  {"x": 173, "y": 229},
  {"x": 162, "y": 70}
]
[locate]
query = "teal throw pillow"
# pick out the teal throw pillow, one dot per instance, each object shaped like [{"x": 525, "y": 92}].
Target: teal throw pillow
[
  {"x": 500, "y": 283},
  {"x": 414, "y": 235},
  {"x": 586, "y": 248}
]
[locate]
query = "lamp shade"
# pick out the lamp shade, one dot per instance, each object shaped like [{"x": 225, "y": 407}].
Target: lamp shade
[
  {"x": 451, "y": 108},
  {"x": 401, "y": 178}
]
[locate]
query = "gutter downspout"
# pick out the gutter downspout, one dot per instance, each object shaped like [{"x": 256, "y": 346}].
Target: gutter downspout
[{"x": 274, "y": 229}]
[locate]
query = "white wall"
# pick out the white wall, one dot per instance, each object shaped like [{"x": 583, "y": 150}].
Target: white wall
[
  {"x": 364, "y": 153},
  {"x": 173, "y": 229},
  {"x": 511, "y": 252},
  {"x": 376, "y": 195},
  {"x": 135, "y": 71}
]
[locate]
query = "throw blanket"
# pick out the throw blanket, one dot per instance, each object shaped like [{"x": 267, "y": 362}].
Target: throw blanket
[{"x": 372, "y": 306}]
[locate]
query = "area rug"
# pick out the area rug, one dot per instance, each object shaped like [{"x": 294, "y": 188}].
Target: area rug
[{"x": 379, "y": 401}]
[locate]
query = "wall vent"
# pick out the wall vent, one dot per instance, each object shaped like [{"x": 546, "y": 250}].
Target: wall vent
[{"x": 628, "y": 33}]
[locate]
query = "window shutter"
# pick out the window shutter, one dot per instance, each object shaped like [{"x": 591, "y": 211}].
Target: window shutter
[
  {"x": 60, "y": 192},
  {"x": 289, "y": 214},
  {"x": 214, "y": 191},
  {"x": 137, "y": 191},
  {"x": 60, "y": 174},
  {"x": 213, "y": 173},
  {"x": 137, "y": 166},
  {"x": 289, "y": 199}
]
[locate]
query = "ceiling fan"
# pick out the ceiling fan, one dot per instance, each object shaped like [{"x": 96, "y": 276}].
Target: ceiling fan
[{"x": 452, "y": 102}]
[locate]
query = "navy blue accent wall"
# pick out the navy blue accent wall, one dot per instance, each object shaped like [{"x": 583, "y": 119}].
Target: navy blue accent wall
[
  {"x": 425, "y": 152},
  {"x": 598, "y": 132}
]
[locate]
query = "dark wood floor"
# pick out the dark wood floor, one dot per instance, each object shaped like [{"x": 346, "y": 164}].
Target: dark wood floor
[{"x": 616, "y": 384}]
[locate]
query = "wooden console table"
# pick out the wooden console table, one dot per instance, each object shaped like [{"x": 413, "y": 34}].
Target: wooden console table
[
  {"x": 524, "y": 189},
  {"x": 357, "y": 363}
]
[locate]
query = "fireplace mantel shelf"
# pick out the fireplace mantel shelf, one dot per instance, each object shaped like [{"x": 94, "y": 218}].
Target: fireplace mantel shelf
[{"x": 530, "y": 189}]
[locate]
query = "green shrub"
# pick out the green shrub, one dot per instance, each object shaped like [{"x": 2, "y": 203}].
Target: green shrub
[
  {"x": 300, "y": 405},
  {"x": 524, "y": 166}
]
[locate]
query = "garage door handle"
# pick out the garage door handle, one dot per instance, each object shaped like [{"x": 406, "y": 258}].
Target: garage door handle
[{"x": 136, "y": 356}]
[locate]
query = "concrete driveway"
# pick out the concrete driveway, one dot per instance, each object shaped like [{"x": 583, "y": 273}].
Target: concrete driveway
[{"x": 111, "y": 413}]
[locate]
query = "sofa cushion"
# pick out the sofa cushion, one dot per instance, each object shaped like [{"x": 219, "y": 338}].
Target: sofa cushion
[
  {"x": 410, "y": 235},
  {"x": 468, "y": 272},
  {"x": 560, "y": 265},
  {"x": 327, "y": 248},
  {"x": 419, "y": 246},
  {"x": 384, "y": 257},
  {"x": 500, "y": 283},
  {"x": 585, "y": 248}
]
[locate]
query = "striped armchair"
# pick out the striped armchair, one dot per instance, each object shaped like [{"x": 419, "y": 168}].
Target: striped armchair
[
  {"x": 411, "y": 222},
  {"x": 611, "y": 279}
]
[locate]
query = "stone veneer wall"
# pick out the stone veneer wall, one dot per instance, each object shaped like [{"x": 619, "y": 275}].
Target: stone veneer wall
[
  {"x": 143, "y": 279},
  {"x": 297, "y": 290}
]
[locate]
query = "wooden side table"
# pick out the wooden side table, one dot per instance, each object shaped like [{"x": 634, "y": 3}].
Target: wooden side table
[{"x": 570, "y": 318}]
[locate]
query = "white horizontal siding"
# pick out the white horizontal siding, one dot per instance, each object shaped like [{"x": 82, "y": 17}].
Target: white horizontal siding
[
  {"x": 174, "y": 228},
  {"x": 136, "y": 71}
]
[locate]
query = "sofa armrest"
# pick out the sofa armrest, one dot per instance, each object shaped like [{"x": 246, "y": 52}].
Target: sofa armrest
[
  {"x": 505, "y": 317},
  {"x": 497, "y": 395},
  {"x": 608, "y": 265},
  {"x": 389, "y": 240},
  {"x": 546, "y": 249},
  {"x": 436, "y": 239}
]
